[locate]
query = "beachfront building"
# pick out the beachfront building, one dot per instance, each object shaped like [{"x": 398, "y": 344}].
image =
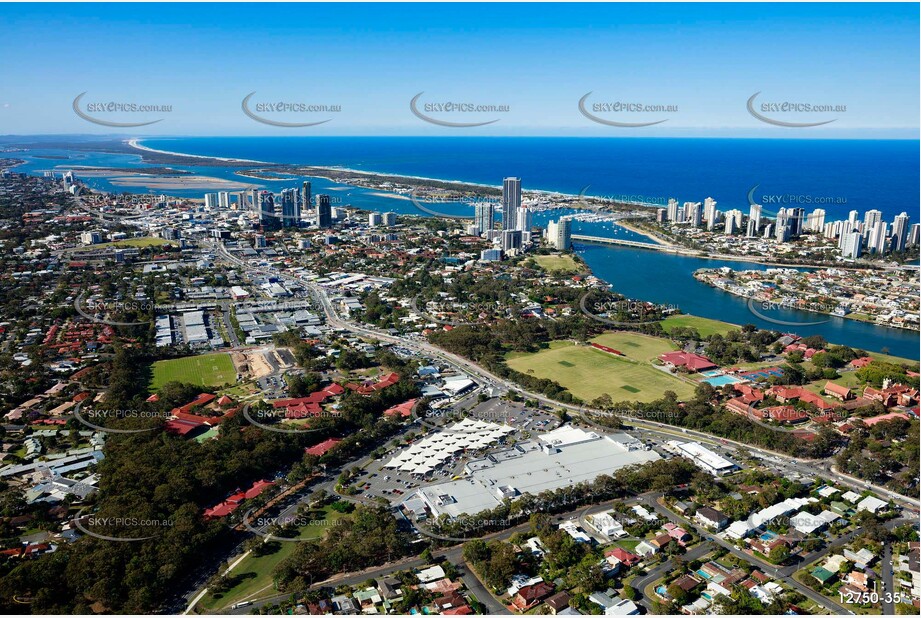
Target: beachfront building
[{"x": 511, "y": 202}]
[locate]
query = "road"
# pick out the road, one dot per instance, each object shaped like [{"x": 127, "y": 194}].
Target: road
[
  {"x": 487, "y": 379},
  {"x": 664, "y": 569}
]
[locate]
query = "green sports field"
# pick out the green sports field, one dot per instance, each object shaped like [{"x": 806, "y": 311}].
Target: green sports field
[
  {"x": 704, "y": 326},
  {"x": 206, "y": 370},
  {"x": 589, "y": 373},
  {"x": 636, "y": 346},
  {"x": 140, "y": 243},
  {"x": 558, "y": 263}
]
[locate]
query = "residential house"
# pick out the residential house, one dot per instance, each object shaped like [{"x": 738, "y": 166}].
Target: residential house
[
  {"x": 531, "y": 596},
  {"x": 558, "y": 602},
  {"x": 711, "y": 518}
]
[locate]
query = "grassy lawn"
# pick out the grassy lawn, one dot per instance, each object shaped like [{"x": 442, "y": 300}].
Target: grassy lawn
[
  {"x": 588, "y": 373},
  {"x": 254, "y": 573},
  {"x": 848, "y": 379},
  {"x": 558, "y": 263},
  {"x": 705, "y": 326},
  {"x": 628, "y": 544},
  {"x": 636, "y": 346},
  {"x": 241, "y": 391},
  {"x": 206, "y": 370},
  {"x": 894, "y": 359},
  {"x": 140, "y": 243}
]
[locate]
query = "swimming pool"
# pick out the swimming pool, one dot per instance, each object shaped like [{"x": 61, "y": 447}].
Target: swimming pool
[
  {"x": 722, "y": 380},
  {"x": 712, "y": 373}
]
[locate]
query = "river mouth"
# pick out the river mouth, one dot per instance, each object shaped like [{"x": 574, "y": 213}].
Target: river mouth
[{"x": 658, "y": 277}]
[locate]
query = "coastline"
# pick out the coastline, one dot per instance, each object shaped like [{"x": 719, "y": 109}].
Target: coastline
[
  {"x": 471, "y": 186},
  {"x": 848, "y": 316},
  {"x": 135, "y": 142},
  {"x": 648, "y": 235}
]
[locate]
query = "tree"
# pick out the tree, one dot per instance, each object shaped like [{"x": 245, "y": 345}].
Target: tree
[
  {"x": 677, "y": 593},
  {"x": 779, "y": 554}
]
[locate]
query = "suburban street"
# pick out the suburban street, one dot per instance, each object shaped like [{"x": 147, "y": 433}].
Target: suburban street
[{"x": 488, "y": 380}]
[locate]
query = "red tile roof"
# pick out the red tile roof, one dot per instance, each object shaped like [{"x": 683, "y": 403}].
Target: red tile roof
[
  {"x": 323, "y": 447},
  {"x": 693, "y": 362}
]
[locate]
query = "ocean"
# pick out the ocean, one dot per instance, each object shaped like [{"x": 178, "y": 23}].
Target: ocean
[
  {"x": 847, "y": 174},
  {"x": 836, "y": 175}
]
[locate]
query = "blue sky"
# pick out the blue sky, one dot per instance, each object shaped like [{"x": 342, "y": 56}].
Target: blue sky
[{"x": 539, "y": 60}]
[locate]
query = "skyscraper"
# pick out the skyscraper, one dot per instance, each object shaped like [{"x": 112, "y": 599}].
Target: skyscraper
[
  {"x": 796, "y": 218},
  {"x": 290, "y": 208},
  {"x": 914, "y": 236},
  {"x": 559, "y": 234},
  {"x": 511, "y": 202},
  {"x": 710, "y": 212},
  {"x": 693, "y": 213},
  {"x": 306, "y": 196},
  {"x": 900, "y": 228},
  {"x": 783, "y": 229},
  {"x": 816, "y": 220},
  {"x": 211, "y": 200},
  {"x": 853, "y": 221},
  {"x": 754, "y": 220},
  {"x": 524, "y": 221},
  {"x": 733, "y": 221},
  {"x": 511, "y": 240},
  {"x": 853, "y": 243},
  {"x": 878, "y": 240},
  {"x": 671, "y": 210},
  {"x": 324, "y": 212},
  {"x": 267, "y": 209},
  {"x": 871, "y": 219},
  {"x": 484, "y": 215}
]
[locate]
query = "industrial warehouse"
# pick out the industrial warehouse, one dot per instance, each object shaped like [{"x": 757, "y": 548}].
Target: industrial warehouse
[{"x": 561, "y": 458}]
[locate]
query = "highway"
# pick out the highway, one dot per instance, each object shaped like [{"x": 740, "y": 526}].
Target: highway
[{"x": 486, "y": 378}]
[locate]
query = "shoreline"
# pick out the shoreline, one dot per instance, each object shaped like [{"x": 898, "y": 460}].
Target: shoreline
[
  {"x": 848, "y": 316},
  {"x": 662, "y": 245},
  {"x": 136, "y": 143}
]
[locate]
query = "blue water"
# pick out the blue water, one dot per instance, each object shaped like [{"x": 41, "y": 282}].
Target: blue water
[
  {"x": 721, "y": 380},
  {"x": 867, "y": 174},
  {"x": 668, "y": 278},
  {"x": 872, "y": 174}
]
